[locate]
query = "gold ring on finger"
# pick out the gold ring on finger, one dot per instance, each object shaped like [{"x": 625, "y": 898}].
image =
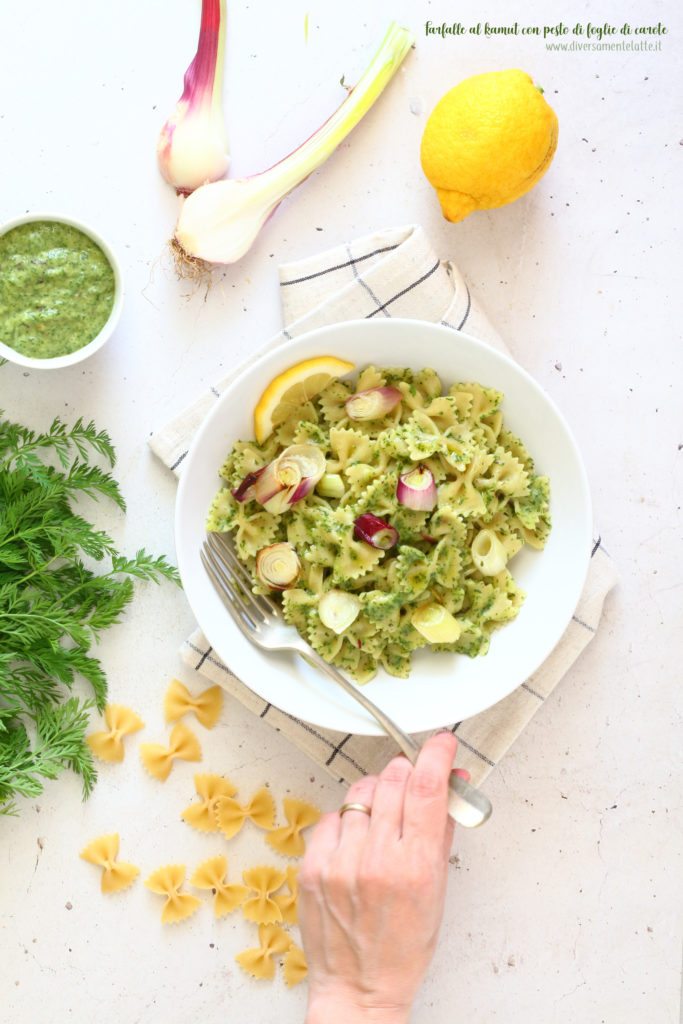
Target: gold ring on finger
[{"x": 355, "y": 807}]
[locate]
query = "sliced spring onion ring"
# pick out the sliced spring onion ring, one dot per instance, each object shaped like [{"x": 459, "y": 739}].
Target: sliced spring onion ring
[
  {"x": 331, "y": 486},
  {"x": 278, "y": 566},
  {"x": 372, "y": 404},
  {"x": 436, "y": 624},
  {"x": 289, "y": 478},
  {"x": 488, "y": 553},
  {"x": 338, "y": 610},
  {"x": 416, "y": 489}
]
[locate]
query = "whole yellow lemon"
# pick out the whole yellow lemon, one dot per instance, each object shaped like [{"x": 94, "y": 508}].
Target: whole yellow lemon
[{"x": 487, "y": 142}]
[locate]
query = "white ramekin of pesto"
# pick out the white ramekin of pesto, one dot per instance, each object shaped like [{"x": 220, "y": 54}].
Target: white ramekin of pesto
[{"x": 61, "y": 292}]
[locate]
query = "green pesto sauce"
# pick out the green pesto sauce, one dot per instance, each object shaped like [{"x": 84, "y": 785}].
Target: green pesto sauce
[{"x": 56, "y": 289}]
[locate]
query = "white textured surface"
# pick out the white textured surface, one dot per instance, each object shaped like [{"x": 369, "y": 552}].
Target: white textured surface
[{"x": 566, "y": 906}]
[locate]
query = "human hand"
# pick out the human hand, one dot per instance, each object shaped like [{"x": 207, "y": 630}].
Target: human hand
[{"x": 372, "y": 891}]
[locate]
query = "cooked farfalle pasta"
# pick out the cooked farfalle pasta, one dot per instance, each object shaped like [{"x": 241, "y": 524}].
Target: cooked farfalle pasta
[
  {"x": 166, "y": 881},
  {"x": 158, "y": 760},
  {"x": 116, "y": 874},
  {"x": 489, "y": 503},
  {"x": 294, "y": 968},
  {"x": 206, "y": 706},
  {"x": 264, "y": 881},
  {"x": 288, "y": 901},
  {"x": 259, "y": 962},
  {"x": 108, "y": 745},
  {"x": 288, "y": 839},
  {"x": 211, "y": 874},
  {"x": 231, "y": 814},
  {"x": 202, "y": 815}
]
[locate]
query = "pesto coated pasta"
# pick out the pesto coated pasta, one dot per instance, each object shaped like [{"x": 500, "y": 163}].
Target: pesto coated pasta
[{"x": 454, "y": 557}]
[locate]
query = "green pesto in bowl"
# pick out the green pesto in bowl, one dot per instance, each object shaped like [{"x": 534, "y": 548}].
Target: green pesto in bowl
[{"x": 57, "y": 289}]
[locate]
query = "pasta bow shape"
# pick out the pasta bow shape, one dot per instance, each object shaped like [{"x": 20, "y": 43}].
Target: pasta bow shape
[
  {"x": 288, "y": 840},
  {"x": 288, "y": 901},
  {"x": 158, "y": 760},
  {"x": 259, "y": 962},
  {"x": 211, "y": 788},
  {"x": 211, "y": 874},
  {"x": 207, "y": 706},
  {"x": 108, "y": 746},
  {"x": 264, "y": 880},
  {"x": 231, "y": 815},
  {"x": 166, "y": 881},
  {"x": 103, "y": 851},
  {"x": 294, "y": 968}
]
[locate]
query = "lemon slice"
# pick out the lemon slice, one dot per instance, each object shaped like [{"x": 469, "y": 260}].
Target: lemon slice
[{"x": 292, "y": 388}]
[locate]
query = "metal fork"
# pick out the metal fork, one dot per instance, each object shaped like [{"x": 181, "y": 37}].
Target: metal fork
[{"x": 258, "y": 619}]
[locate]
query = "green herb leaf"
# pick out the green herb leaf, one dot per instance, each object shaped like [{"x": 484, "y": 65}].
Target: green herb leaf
[{"x": 53, "y": 604}]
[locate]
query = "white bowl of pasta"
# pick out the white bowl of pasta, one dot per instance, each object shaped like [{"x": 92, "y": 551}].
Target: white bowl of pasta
[{"x": 492, "y": 451}]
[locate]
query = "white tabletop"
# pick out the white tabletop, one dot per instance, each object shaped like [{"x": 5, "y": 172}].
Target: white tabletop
[{"x": 566, "y": 905}]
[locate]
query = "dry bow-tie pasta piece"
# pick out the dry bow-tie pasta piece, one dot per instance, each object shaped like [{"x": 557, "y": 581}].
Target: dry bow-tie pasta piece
[
  {"x": 211, "y": 874},
  {"x": 103, "y": 851},
  {"x": 264, "y": 880},
  {"x": 287, "y": 901},
  {"x": 206, "y": 707},
  {"x": 158, "y": 760},
  {"x": 288, "y": 840},
  {"x": 108, "y": 746},
  {"x": 166, "y": 881},
  {"x": 231, "y": 815},
  {"x": 294, "y": 967},
  {"x": 211, "y": 788},
  {"x": 259, "y": 962}
]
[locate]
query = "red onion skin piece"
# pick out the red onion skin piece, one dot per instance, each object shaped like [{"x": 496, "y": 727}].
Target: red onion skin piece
[
  {"x": 242, "y": 491},
  {"x": 304, "y": 488}
]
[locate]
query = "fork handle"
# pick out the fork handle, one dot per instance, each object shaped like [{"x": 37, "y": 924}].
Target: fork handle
[{"x": 466, "y": 804}]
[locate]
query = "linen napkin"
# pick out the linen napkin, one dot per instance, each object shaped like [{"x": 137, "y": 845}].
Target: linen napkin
[{"x": 393, "y": 273}]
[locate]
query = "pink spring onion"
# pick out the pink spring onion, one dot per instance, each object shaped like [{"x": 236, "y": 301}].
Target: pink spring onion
[
  {"x": 193, "y": 146},
  {"x": 278, "y": 566},
  {"x": 219, "y": 222},
  {"x": 375, "y": 532},
  {"x": 338, "y": 610},
  {"x": 416, "y": 489},
  {"x": 289, "y": 478},
  {"x": 372, "y": 404}
]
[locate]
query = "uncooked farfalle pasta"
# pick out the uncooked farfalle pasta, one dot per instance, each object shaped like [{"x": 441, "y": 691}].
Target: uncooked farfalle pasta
[
  {"x": 403, "y": 534},
  {"x": 116, "y": 874},
  {"x": 183, "y": 745},
  {"x": 107, "y": 744},
  {"x": 259, "y": 961},
  {"x": 206, "y": 706},
  {"x": 294, "y": 968},
  {"x": 231, "y": 814},
  {"x": 167, "y": 881},
  {"x": 288, "y": 839},
  {"x": 202, "y": 814},
  {"x": 269, "y": 896},
  {"x": 212, "y": 874},
  {"x": 288, "y": 901},
  {"x": 261, "y": 907}
]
